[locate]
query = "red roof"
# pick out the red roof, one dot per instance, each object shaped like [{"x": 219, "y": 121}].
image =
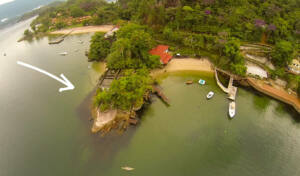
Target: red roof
[{"x": 160, "y": 50}]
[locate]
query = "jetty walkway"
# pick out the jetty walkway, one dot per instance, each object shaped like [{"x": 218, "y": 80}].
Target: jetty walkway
[
  {"x": 160, "y": 94},
  {"x": 61, "y": 39},
  {"x": 230, "y": 90},
  {"x": 275, "y": 93},
  {"x": 107, "y": 78}
]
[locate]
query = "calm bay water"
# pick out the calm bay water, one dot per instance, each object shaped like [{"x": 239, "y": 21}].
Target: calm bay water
[{"x": 44, "y": 132}]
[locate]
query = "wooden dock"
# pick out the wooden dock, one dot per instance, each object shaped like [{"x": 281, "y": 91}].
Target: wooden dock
[
  {"x": 56, "y": 42},
  {"x": 59, "y": 40},
  {"x": 107, "y": 78},
  {"x": 230, "y": 90},
  {"x": 160, "y": 94}
]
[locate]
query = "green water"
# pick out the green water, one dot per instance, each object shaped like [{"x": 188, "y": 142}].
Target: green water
[{"x": 44, "y": 132}]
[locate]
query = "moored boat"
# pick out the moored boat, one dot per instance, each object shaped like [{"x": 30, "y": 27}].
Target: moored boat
[
  {"x": 127, "y": 168},
  {"x": 189, "y": 82},
  {"x": 63, "y": 53},
  {"x": 210, "y": 95},
  {"x": 231, "y": 109},
  {"x": 201, "y": 82}
]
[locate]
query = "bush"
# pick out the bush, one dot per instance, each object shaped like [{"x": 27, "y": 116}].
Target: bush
[
  {"x": 125, "y": 92},
  {"x": 60, "y": 25},
  {"x": 76, "y": 12},
  {"x": 99, "y": 48},
  {"x": 282, "y": 53}
]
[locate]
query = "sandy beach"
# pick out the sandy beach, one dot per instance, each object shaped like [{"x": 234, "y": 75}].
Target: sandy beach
[
  {"x": 84, "y": 29},
  {"x": 186, "y": 64}
]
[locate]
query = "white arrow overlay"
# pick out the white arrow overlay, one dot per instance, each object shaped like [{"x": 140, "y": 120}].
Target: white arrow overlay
[{"x": 64, "y": 80}]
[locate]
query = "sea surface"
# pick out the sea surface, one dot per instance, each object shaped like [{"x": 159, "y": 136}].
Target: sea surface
[
  {"x": 10, "y": 9},
  {"x": 45, "y": 132}
]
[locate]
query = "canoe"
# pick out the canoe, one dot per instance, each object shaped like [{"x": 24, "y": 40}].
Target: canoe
[
  {"x": 231, "y": 110},
  {"x": 189, "y": 82}
]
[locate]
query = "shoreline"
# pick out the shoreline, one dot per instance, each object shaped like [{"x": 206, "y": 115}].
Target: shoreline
[
  {"x": 185, "y": 64},
  {"x": 84, "y": 29},
  {"x": 182, "y": 65}
]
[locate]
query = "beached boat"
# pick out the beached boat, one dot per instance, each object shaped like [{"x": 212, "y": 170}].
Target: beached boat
[
  {"x": 231, "y": 109},
  {"x": 63, "y": 53},
  {"x": 201, "y": 82},
  {"x": 189, "y": 82},
  {"x": 127, "y": 168},
  {"x": 210, "y": 95}
]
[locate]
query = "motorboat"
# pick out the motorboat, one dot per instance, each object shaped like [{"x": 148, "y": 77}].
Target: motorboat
[
  {"x": 210, "y": 95},
  {"x": 201, "y": 82},
  {"x": 127, "y": 168},
  {"x": 63, "y": 53},
  {"x": 231, "y": 109}
]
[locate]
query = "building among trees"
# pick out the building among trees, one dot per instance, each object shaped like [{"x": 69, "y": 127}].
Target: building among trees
[{"x": 163, "y": 52}]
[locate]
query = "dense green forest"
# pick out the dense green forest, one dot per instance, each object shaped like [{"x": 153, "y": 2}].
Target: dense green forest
[{"x": 213, "y": 28}]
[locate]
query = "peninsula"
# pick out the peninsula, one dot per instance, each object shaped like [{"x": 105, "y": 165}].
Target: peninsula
[{"x": 143, "y": 38}]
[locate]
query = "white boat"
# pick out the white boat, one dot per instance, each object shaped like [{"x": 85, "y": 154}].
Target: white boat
[
  {"x": 210, "y": 95},
  {"x": 127, "y": 168},
  {"x": 201, "y": 82},
  {"x": 63, "y": 53},
  {"x": 231, "y": 109}
]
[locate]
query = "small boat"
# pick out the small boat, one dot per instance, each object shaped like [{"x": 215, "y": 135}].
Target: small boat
[
  {"x": 232, "y": 109},
  {"x": 189, "y": 82},
  {"x": 210, "y": 95},
  {"x": 127, "y": 168},
  {"x": 63, "y": 53},
  {"x": 201, "y": 82}
]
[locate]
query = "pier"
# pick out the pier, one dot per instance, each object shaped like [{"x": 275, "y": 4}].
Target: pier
[
  {"x": 59, "y": 40},
  {"x": 278, "y": 94},
  {"x": 160, "y": 94},
  {"x": 230, "y": 90},
  {"x": 107, "y": 78}
]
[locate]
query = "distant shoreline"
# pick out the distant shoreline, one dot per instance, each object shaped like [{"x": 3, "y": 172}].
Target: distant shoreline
[{"x": 84, "y": 29}]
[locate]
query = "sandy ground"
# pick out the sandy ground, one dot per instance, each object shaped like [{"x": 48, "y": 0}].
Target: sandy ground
[
  {"x": 84, "y": 29},
  {"x": 186, "y": 64},
  {"x": 256, "y": 70}
]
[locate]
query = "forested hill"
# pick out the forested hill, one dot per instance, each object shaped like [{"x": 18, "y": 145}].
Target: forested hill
[{"x": 244, "y": 19}]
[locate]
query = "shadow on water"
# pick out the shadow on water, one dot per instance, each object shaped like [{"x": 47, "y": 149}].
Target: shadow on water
[
  {"x": 262, "y": 101},
  {"x": 105, "y": 147},
  {"x": 283, "y": 108}
]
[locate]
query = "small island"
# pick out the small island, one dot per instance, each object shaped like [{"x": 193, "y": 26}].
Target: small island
[{"x": 257, "y": 42}]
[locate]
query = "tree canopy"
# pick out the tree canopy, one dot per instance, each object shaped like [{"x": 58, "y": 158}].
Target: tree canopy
[
  {"x": 99, "y": 47},
  {"x": 131, "y": 49},
  {"x": 126, "y": 92},
  {"x": 282, "y": 53}
]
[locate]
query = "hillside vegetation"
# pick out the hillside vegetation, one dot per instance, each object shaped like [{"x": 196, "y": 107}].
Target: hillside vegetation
[{"x": 213, "y": 28}]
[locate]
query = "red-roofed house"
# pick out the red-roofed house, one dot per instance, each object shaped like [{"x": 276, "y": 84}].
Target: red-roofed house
[{"x": 162, "y": 52}]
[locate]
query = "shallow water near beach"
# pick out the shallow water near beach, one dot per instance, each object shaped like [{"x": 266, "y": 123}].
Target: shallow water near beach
[{"x": 44, "y": 132}]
